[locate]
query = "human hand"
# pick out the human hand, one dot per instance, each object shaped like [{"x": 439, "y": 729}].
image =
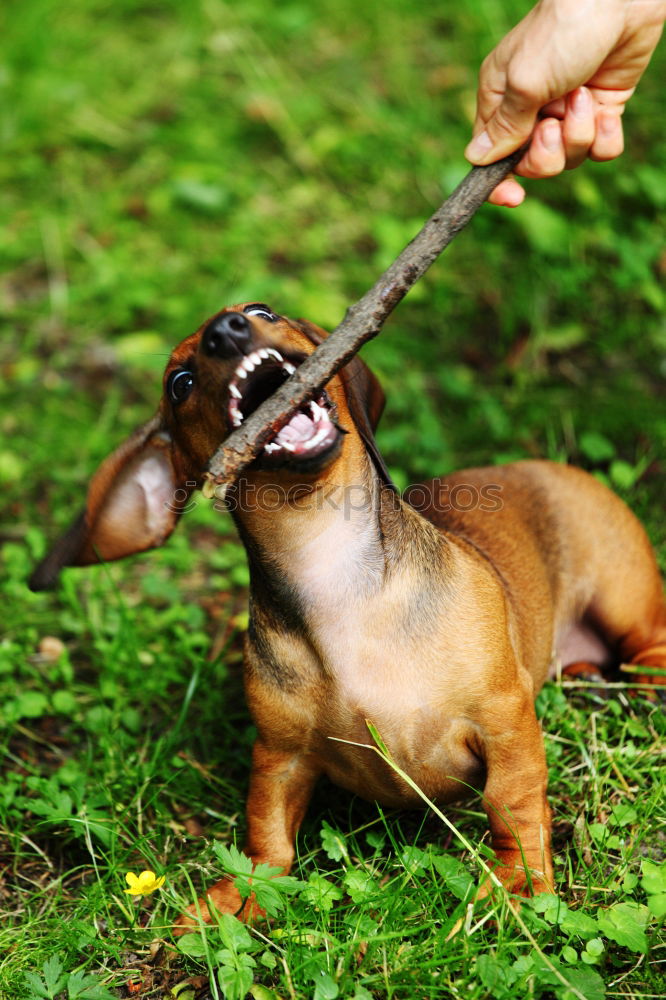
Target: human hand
[{"x": 563, "y": 76}]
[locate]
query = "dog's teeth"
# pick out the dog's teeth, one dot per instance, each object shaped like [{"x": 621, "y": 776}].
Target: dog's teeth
[
  {"x": 289, "y": 368},
  {"x": 235, "y": 391},
  {"x": 234, "y": 412},
  {"x": 314, "y": 441},
  {"x": 319, "y": 436},
  {"x": 274, "y": 354},
  {"x": 262, "y": 353},
  {"x": 271, "y": 446},
  {"x": 319, "y": 412},
  {"x": 255, "y": 358}
]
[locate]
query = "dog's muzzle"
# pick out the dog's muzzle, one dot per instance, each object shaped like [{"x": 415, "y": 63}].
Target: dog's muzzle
[
  {"x": 227, "y": 336},
  {"x": 311, "y": 435}
]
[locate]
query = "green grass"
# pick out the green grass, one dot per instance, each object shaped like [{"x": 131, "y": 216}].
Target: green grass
[{"x": 161, "y": 161}]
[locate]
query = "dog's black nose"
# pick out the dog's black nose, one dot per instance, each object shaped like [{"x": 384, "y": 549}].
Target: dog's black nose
[{"x": 227, "y": 336}]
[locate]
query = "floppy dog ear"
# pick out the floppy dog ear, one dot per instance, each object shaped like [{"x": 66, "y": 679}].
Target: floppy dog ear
[
  {"x": 365, "y": 398},
  {"x": 131, "y": 506}
]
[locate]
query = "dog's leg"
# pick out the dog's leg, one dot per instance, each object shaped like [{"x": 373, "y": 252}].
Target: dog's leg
[
  {"x": 645, "y": 643},
  {"x": 651, "y": 653},
  {"x": 628, "y": 605},
  {"x": 635, "y": 619},
  {"x": 514, "y": 798},
  {"x": 281, "y": 785}
]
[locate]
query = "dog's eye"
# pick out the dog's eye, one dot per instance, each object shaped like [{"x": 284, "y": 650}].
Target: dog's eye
[
  {"x": 179, "y": 385},
  {"x": 261, "y": 310}
]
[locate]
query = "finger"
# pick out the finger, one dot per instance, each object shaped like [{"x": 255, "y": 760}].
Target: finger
[
  {"x": 554, "y": 109},
  {"x": 508, "y": 193},
  {"x": 490, "y": 92},
  {"x": 546, "y": 156},
  {"x": 579, "y": 127},
  {"x": 609, "y": 139},
  {"x": 509, "y": 126}
]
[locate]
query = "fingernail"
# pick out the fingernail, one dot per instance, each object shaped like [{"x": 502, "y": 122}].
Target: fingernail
[
  {"x": 551, "y": 137},
  {"x": 479, "y": 147},
  {"x": 581, "y": 102}
]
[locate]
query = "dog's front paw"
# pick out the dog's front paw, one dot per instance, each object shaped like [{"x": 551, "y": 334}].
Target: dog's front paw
[
  {"x": 223, "y": 897},
  {"x": 517, "y": 880}
]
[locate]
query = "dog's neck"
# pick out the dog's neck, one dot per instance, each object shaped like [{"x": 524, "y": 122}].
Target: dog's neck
[
  {"x": 324, "y": 538},
  {"x": 333, "y": 541},
  {"x": 335, "y": 569}
]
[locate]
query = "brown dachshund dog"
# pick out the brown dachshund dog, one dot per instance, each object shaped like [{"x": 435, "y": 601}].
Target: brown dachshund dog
[{"x": 436, "y": 620}]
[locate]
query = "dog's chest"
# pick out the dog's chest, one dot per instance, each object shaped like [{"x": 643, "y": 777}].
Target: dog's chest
[
  {"x": 322, "y": 700},
  {"x": 373, "y": 647}
]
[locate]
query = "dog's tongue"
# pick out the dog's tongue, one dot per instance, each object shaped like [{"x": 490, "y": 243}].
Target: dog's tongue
[{"x": 298, "y": 430}]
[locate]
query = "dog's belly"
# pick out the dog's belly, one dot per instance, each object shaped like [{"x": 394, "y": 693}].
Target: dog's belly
[{"x": 581, "y": 643}]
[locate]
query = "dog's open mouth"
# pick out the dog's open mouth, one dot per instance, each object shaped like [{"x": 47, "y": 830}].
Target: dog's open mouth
[{"x": 310, "y": 434}]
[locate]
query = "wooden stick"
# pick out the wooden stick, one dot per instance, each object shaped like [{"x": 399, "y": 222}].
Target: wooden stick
[{"x": 362, "y": 322}]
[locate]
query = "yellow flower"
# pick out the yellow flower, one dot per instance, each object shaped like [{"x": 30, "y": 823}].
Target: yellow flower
[{"x": 141, "y": 885}]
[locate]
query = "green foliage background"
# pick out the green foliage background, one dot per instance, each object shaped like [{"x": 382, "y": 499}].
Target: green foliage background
[{"x": 162, "y": 160}]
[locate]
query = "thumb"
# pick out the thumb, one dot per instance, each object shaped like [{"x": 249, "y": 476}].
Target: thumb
[{"x": 509, "y": 126}]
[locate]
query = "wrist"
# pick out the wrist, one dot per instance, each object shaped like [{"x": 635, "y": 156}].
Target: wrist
[
  {"x": 597, "y": 21},
  {"x": 582, "y": 10},
  {"x": 642, "y": 11}
]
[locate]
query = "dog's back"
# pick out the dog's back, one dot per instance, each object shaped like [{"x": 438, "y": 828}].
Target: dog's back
[{"x": 599, "y": 571}]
